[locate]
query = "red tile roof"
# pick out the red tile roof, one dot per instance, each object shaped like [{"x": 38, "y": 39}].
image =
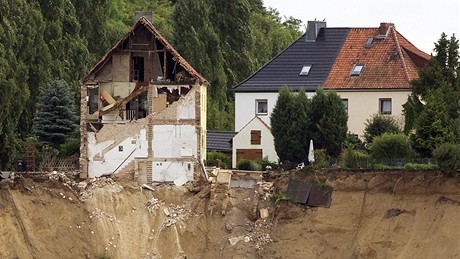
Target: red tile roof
[{"x": 390, "y": 62}]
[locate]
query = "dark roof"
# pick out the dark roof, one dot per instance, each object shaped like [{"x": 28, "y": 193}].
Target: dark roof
[
  {"x": 219, "y": 140},
  {"x": 284, "y": 69}
]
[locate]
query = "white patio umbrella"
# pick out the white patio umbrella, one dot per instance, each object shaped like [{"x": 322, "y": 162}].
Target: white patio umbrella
[{"x": 311, "y": 152}]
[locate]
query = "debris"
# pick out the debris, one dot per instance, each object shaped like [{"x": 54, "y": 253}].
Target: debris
[
  {"x": 181, "y": 180},
  {"x": 263, "y": 213},
  {"x": 234, "y": 240},
  {"x": 229, "y": 227},
  {"x": 166, "y": 211},
  {"x": 147, "y": 187}
]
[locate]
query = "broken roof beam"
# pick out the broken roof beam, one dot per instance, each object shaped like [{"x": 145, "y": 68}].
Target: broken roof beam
[{"x": 139, "y": 89}]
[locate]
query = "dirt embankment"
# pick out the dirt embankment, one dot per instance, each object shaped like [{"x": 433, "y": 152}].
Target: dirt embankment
[{"x": 373, "y": 215}]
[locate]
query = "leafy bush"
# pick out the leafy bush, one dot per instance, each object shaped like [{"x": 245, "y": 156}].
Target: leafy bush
[
  {"x": 355, "y": 159},
  {"x": 249, "y": 165},
  {"x": 379, "y": 124},
  {"x": 321, "y": 159},
  {"x": 448, "y": 157},
  {"x": 265, "y": 162},
  {"x": 391, "y": 146},
  {"x": 70, "y": 147},
  {"x": 218, "y": 159},
  {"x": 353, "y": 142}
]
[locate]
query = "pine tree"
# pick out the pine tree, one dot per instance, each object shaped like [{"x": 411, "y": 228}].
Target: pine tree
[
  {"x": 290, "y": 123},
  {"x": 433, "y": 126},
  {"x": 440, "y": 72},
  {"x": 55, "y": 120}
]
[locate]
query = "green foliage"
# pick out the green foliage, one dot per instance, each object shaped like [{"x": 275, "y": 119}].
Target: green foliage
[
  {"x": 279, "y": 197},
  {"x": 355, "y": 159},
  {"x": 448, "y": 157},
  {"x": 390, "y": 146},
  {"x": 264, "y": 163},
  {"x": 249, "y": 165},
  {"x": 352, "y": 141},
  {"x": 328, "y": 122},
  {"x": 55, "y": 120},
  {"x": 433, "y": 108},
  {"x": 379, "y": 124},
  {"x": 416, "y": 166},
  {"x": 226, "y": 42},
  {"x": 433, "y": 126},
  {"x": 219, "y": 159},
  {"x": 71, "y": 147},
  {"x": 321, "y": 159},
  {"x": 289, "y": 121}
]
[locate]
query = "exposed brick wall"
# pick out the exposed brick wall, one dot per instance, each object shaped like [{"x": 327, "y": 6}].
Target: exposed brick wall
[{"x": 83, "y": 133}]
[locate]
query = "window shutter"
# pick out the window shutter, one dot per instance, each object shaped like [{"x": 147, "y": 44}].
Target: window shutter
[{"x": 255, "y": 137}]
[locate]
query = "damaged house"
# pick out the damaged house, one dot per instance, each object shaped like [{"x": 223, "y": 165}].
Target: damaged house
[{"x": 143, "y": 110}]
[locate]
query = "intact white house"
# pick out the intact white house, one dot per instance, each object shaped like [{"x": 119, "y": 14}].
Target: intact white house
[{"x": 370, "y": 68}]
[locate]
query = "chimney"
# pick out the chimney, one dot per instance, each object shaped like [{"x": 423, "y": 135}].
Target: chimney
[
  {"x": 313, "y": 28},
  {"x": 139, "y": 14},
  {"x": 384, "y": 29}
]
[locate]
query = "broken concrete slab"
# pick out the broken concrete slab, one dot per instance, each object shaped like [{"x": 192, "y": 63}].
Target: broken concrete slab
[
  {"x": 263, "y": 213},
  {"x": 181, "y": 180}
]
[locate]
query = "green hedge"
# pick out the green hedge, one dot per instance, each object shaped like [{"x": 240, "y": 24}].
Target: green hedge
[{"x": 448, "y": 157}]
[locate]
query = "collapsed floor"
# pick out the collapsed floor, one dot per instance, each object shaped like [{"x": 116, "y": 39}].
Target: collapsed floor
[{"x": 373, "y": 215}]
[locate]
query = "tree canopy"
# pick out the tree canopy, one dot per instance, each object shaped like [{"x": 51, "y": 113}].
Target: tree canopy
[
  {"x": 432, "y": 112},
  {"x": 41, "y": 41},
  {"x": 295, "y": 120}
]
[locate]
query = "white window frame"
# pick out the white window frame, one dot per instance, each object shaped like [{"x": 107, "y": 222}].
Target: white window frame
[
  {"x": 382, "y": 109},
  {"x": 261, "y": 111},
  {"x": 357, "y": 70},
  {"x": 305, "y": 70},
  {"x": 345, "y": 103}
]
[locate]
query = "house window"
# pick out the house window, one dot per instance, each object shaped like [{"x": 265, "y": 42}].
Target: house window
[
  {"x": 357, "y": 70},
  {"x": 385, "y": 105},
  {"x": 369, "y": 42},
  {"x": 255, "y": 137},
  {"x": 261, "y": 107},
  {"x": 305, "y": 70},
  {"x": 345, "y": 104}
]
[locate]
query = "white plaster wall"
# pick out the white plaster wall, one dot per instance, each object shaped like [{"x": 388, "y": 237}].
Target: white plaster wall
[
  {"x": 362, "y": 105},
  {"x": 245, "y": 107},
  {"x": 242, "y": 140},
  {"x": 174, "y": 141},
  {"x": 114, "y": 160},
  {"x": 186, "y": 109},
  {"x": 171, "y": 170}
]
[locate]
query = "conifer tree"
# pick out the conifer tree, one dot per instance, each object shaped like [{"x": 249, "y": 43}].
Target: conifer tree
[
  {"x": 328, "y": 122},
  {"x": 55, "y": 120}
]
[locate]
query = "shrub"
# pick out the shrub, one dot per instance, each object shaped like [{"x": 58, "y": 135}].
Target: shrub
[
  {"x": 448, "y": 157},
  {"x": 416, "y": 166},
  {"x": 219, "y": 159},
  {"x": 69, "y": 148},
  {"x": 379, "y": 124},
  {"x": 353, "y": 142},
  {"x": 321, "y": 159},
  {"x": 265, "y": 162},
  {"x": 391, "y": 146},
  {"x": 249, "y": 165},
  {"x": 355, "y": 159}
]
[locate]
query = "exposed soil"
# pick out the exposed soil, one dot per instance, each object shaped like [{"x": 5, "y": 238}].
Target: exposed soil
[{"x": 372, "y": 215}]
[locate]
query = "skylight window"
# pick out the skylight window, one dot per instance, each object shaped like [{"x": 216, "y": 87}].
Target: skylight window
[
  {"x": 357, "y": 70},
  {"x": 369, "y": 42},
  {"x": 305, "y": 70}
]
